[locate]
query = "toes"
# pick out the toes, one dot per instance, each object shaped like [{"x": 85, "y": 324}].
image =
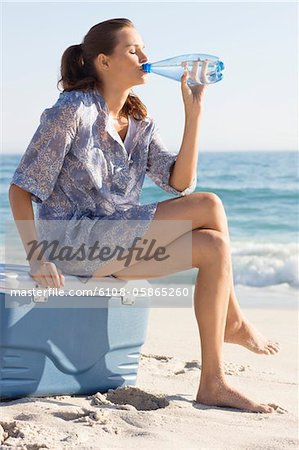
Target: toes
[
  {"x": 269, "y": 409},
  {"x": 266, "y": 408},
  {"x": 278, "y": 408},
  {"x": 273, "y": 347},
  {"x": 271, "y": 350},
  {"x": 273, "y": 344}
]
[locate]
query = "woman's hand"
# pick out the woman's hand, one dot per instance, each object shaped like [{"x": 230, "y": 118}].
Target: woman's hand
[
  {"x": 192, "y": 95},
  {"x": 46, "y": 274}
]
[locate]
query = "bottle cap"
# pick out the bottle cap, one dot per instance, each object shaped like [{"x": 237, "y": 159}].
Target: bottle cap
[{"x": 146, "y": 67}]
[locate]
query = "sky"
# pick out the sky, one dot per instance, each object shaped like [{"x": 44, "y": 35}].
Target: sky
[{"x": 254, "y": 106}]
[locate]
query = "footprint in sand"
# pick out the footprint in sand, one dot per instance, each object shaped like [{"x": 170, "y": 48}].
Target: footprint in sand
[
  {"x": 129, "y": 397},
  {"x": 84, "y": 415},
  {"x": 189, "y": 365},
  {"x": 229, "y": 368},
  {"x": 71, "y": 415},
  {"x": 26, "y": 417},
  {"x": 235, "y": 368},
  {"x": 9, "y": 430},
  {"x": 161, "y": 358}
]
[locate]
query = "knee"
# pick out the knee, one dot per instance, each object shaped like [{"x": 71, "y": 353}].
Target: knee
[
  {"x": 218, "y": 244},
  {"x": 207, "y": 199},
  {"x": 213, "y": 247}
]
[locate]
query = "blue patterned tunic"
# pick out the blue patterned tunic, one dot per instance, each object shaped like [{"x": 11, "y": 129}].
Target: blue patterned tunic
[{"x": 86, "y": 181}]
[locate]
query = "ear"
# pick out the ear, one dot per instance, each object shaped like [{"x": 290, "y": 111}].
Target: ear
[{"x": 102, "y": 61}]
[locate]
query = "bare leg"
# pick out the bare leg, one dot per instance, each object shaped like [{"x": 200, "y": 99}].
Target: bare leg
[
  {"x": 210, "y": 252},
  {"x": 211, "y": 300}
]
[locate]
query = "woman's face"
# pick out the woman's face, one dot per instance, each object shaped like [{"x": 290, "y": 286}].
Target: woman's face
[{"x": 123, "y": 67}]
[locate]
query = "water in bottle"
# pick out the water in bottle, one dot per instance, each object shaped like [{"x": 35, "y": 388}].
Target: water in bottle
[{"x": 202, "y": 69}]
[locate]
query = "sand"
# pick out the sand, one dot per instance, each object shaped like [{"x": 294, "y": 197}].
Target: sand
[{"x": 159, "y": 411}]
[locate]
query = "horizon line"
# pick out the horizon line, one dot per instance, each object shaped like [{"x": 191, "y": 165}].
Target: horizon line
[{"x": 205, "y": 151}]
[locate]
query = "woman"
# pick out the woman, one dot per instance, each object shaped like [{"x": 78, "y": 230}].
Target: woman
[{"x": 79, "y": 171}]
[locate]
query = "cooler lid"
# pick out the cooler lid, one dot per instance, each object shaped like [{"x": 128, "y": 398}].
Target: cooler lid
[{"x": 14, "y": 276}]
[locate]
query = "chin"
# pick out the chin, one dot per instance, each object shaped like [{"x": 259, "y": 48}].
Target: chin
[{"x": 143, "y": 80}]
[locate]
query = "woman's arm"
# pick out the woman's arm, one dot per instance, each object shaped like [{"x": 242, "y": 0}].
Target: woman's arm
[
  {"x": 42, "y": 271},
  {"x": 185, "y": 167}
]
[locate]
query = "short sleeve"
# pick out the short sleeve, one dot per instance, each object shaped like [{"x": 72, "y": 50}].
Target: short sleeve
[
  {"x": 42, "y": 161},
  {"x": 160, "y": 163}
]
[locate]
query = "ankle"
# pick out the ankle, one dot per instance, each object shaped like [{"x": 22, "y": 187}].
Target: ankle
[
  {"x": 212, "y": 381},
  {"x": 233, "y": 324}
]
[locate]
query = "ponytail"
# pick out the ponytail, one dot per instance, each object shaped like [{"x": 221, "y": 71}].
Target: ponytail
[{"x": 75, "y": 73}]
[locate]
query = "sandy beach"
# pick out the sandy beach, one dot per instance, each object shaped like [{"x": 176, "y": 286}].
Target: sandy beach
[{"x": 159, "y": 411}]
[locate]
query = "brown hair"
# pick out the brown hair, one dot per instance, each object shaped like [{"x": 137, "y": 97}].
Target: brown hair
[{"x": 77, "y": 63}]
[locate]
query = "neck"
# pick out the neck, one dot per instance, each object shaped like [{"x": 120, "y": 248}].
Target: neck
[{"x": 115, "y": 99}]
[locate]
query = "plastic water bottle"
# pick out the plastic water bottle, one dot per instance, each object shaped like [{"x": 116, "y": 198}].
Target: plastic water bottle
[{"x": 202, "y": 69}]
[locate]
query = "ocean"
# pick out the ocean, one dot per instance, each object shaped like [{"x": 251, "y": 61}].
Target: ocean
[{"x": 259, "y": 191}]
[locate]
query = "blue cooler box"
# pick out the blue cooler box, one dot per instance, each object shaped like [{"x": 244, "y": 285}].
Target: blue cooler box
[{"x": 76, "y": 343}]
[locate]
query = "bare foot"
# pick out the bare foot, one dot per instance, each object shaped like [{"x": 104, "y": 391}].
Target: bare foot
[
  {"x": 221, "y": 394},
  {"x": 245, "y": 334}
]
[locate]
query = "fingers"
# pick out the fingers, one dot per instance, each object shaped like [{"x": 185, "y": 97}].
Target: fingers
[
  {"x": 62, "y": 280},
  {"x": 184, "y": 85},
  {"x": 194, "y": 71},
  {"x": 184, "y": 77},
  {"x": 203, "y": 73},
  {"x": 46, "y": 279},
  {"x": 196, "y": 90},
  {"x": 39, "y": 278},
  {"x": 192, "y": 95},
  {"x": 49, "y": 276}
]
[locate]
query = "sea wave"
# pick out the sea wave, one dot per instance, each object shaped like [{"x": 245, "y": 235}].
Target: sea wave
[{"x": 264, "y": 264}]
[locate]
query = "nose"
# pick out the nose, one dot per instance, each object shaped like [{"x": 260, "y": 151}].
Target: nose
[{"x": 143, "y": 58}]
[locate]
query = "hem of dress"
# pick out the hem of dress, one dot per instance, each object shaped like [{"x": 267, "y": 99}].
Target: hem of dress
[
  {"x": 152, "y": 211},
  {"x": 85, "y": 278}
]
